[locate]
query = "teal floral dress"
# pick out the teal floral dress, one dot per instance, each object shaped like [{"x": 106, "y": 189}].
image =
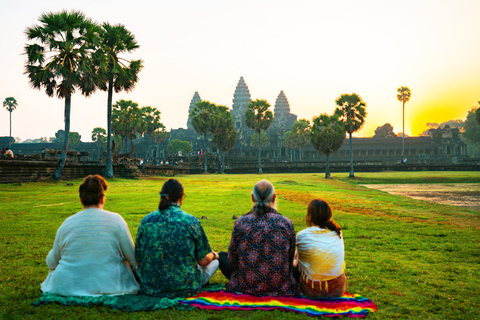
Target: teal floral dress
[{"x": 169, "y": 244}]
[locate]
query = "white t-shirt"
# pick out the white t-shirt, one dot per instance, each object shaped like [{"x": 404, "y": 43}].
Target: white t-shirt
[
  {"x": 320, "y": 254},
  {"x": 88, "y": 256}
]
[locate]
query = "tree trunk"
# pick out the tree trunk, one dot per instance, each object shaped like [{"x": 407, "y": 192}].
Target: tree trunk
[
  {"x": 327, "y": 167},
  {"x": 351, "y": 157},
  {"x": 109, "y": 164},
  {"x": 10, "y": 140},
  {"x": 219, "y": 158},
  {"x": 403, "y": 130},
  {"x": 61, "y": 162},
  {"x": 259, "y": 153},
  {"x": 205, "y": 168}
]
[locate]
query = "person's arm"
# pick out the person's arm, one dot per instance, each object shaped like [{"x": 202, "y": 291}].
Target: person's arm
[
  {"x": 138, "y": 245},
  {"x": 54, "y": 256},
  {"x": 126, "y": 243},
  {"x": 208, "y": 258},
  {"x": 203, "y": 253},
  {"x": 233, "y": 248}
]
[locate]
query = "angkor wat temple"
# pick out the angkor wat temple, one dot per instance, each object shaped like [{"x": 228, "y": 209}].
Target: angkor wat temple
[{"x": 442, "y": 145}]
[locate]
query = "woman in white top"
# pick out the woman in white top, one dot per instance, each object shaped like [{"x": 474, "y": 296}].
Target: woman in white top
[
  {"x": 320, "y": 253},
  {"x": 93, "y": 252}
]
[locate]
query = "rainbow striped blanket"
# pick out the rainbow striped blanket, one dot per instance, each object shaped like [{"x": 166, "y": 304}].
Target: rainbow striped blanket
[
  {"x": 350, "y": 305},
  {"x": 215, "y": 298}
]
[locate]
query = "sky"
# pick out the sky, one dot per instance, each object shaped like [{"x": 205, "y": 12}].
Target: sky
[{"x": 312, "y": 50}]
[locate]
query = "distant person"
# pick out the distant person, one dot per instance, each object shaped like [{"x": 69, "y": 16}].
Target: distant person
[
  {"x": 2, "y": 152},
  {"x": 262, "y": 248},
  {"x": 320, "y": 253},
  {"x": 9, "y": 153},
  {"x": 172, "y": 249},
  {"x": 93, "y": 252}
]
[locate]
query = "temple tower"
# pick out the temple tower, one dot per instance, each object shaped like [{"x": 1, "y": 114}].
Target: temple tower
[
  {"x": 241, "y": 99},
  {"x": 281, "y": 111},
  {"x": 195, "y": 99}
]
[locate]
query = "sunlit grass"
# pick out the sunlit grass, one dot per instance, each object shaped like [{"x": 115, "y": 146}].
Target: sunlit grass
[{"x": 414, "y": 259}]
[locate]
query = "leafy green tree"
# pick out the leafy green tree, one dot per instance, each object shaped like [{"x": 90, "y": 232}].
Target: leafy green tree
[
  {"x": 263, "y": 140},
  {"x": 229, "y": 140},
  {"x": 351, "y": 110},
  {"x": 403, "y": 95},
  {"x": 119, "y": 74},
  {"x": 327, "y": 134},
  {"x": 10, "y": 104},
  {"x": 289, "y": 140},
  {"x": 99, "y": 136},
  {"x": 477, "y": 113},
  {"x": 203, "y": 116},
  {"x": 176, "y": 145},
  {"x": 126, "y": 121},
  {"x": 59, "y": 59},
  {"x": 299, "y": 136},
  {"x": 472, "y": 126},
  {"x": 74, "y": 138},
  {"x": 259, "y": 118},
  {"x": 223, "y": 134}
]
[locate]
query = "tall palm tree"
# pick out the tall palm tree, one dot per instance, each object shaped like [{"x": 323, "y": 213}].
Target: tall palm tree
[
  {"x": 327, "y": 134},
  {"x": 204, "y": 120},
  {"x": 259, "y": 118},
  {"x": 11, "y": 104},
  {"x": 120, "y": 74},
  {"x": 351, "y": 109},
  {"x": 403, "y": 95},
  {"x": 59, "y": 59}
]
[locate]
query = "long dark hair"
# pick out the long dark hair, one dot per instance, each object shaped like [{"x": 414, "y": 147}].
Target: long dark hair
[
  {"x": 321, "y": 214},
  {"x": 263, "y": 194},
  {"x": 172, "y": 191}
]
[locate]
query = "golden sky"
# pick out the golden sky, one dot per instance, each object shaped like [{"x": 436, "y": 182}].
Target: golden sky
[{"x": 312, "y": 50}]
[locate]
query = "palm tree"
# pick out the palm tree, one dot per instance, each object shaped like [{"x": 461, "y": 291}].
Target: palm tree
[
  {"x": 259, "y": 118},
  {"x": 120, "y": 74},
  {"x": 403, "y": 95},
  {"x": 351, "y": 110},
  {"x": 59, "y": 59},
  {"x": 327, "y": 134},
  {"x": 11, "y": 104},
  {"x": 204, "y": 119},
  {"x": 126, "y": 122}
]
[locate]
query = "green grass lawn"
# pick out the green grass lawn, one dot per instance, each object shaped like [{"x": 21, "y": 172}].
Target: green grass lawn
[{"x": 414, "y": 259}]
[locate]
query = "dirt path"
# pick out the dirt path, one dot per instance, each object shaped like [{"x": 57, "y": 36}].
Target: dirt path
[{"x": 457, "y": 194}]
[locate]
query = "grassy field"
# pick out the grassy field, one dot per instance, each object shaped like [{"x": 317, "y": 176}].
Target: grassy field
[{"x": 414, "y": 259}]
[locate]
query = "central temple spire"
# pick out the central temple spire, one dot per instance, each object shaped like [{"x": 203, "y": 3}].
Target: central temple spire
[{"x": 241, "y": 99}]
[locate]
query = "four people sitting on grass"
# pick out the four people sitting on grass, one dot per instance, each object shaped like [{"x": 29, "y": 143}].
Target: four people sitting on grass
[{"x": 93, "y": 252}]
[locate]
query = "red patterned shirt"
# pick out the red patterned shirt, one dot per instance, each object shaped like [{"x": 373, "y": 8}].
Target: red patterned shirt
[{"x": 261, "y": 254}]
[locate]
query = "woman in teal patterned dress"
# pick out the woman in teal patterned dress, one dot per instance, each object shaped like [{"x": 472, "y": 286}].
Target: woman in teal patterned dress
[{"x": 171, "y": 249}]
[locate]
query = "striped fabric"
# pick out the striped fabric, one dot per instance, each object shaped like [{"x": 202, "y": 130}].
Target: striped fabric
[{"x": 350, "y": 305}]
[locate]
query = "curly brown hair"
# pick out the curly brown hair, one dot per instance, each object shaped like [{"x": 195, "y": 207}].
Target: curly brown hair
[{"x": 92, "y": 190}]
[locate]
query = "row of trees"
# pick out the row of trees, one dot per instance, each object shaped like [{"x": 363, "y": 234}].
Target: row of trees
[
  {"x": 68, "y": 52},
  {"x": 209, "y": 118},
  {"x": 327, "y": 132}
]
